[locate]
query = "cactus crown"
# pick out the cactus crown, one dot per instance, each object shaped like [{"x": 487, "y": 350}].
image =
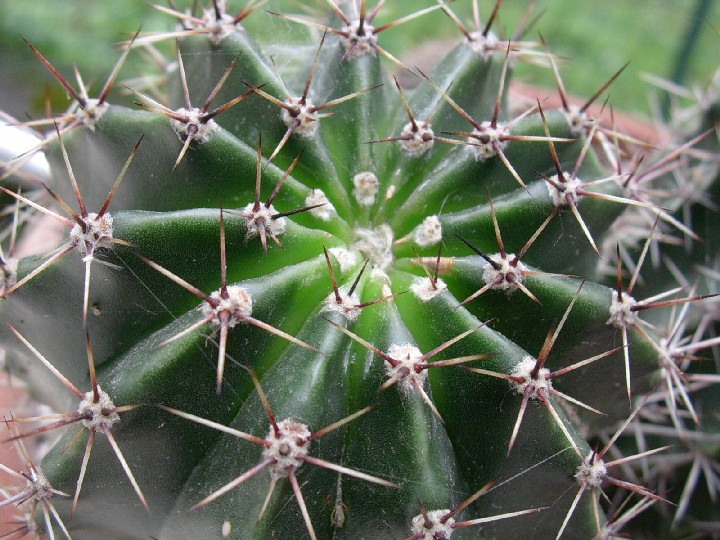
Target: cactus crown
[{"x": 400, "y": 287}]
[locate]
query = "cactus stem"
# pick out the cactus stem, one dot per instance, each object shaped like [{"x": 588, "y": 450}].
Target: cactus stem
[
  {"x": 299, "y": 114},
  {"x": 577, "y": 116},
  {"x": 88, "y": 231},
  {"x": 285, "y": 449},
  {"x": 262, "y": 219},
  {"x": 439, "y": 524},
  {"x": 359, "y": 37},
  {"x": 428, "y": 288},
  {"x": 533, "y": 381},
  {"x": 223, "y": 308},
  {"x": 505, "y": 272},
  {"x": 624, "y": 308},
  {"x": 416, "y": 138},
  {"x": 581, "y": 122},
  {"x": 96, "y": 412},
  {"x": 192, "y": 123},
  {"x": 37, "y": 490},
  {"x": 489, "y": 138},
  {"x": 407, "y": 366},
  {"x": 215, "y": 22},
  {"x": 592, "y": 472},
  {"x": 91, "y": 109}
]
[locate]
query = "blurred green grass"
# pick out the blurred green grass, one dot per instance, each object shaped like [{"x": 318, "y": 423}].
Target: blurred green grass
[{"x": 596, "y": 37}]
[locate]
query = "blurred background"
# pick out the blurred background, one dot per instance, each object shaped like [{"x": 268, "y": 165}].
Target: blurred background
[{"x": 671, "y": 39}]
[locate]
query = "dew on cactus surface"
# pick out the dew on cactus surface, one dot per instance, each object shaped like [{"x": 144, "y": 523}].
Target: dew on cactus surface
[
  {"x": 96, "y": 412},
  {"x": 36, "y": 491},
  {"x": 89, "y": 231},
  {"x": 286, "y": 447}
]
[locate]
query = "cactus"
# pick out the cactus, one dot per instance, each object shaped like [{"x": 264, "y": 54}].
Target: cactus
[{"x": 299, "y": 298}]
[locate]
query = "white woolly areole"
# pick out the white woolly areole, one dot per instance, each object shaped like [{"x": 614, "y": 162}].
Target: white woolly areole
[
  {"x": 38, "y": 485},
  {"x": 366, "y": 188},
  {"x": 91, "y": 113},
  {"x": 262, "y": 218},
  {"x": 346, "y": 259},
  {"x": 288, "y": 448},
  {"x": 428, "y": 233},
  {"x": 238, "y": 300},
  {"x": 569, "y": 187},
  {"x": 378, "y": 274},
  {"x": 483, "y": 45},
  {"x": 8, "y": 273},
  {"x": 591, "y": 472},
  {"x": 432, "y": 528},
  {"x": 621, "y": 315},
  {"x": 486, "y": 141},
  {"x": 507, "y": 276},
  {"x": 356, "y": 44},
  {"x": 524, "y": 370},
  {"x": 347, "y": 307},
  {"x": 417, "y": 141},
  {"x": 315, "y": 197},
  {"x": 577, "y": 119},
  {"x": 98, "y": 415},
  {"x": 409, "y": 358},
  {"x": 376, "y": 244},
  {"x": 192, "y": 125},
  {"x": 217, "y": 29},
  {"x": 424, "y": 290},
  {"x": 300, "y": 116},
  {"x": 98, "y": 234}
]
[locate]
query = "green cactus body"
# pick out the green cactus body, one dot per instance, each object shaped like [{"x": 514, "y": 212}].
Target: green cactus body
[{"x": 432, "y": 435}]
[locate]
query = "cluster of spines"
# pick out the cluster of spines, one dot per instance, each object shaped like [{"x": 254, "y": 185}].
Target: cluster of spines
[{"x": 486, "y": 141}]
